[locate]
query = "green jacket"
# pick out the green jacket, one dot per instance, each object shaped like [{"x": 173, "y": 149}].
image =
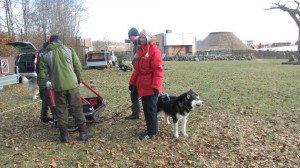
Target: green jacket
[{"x": 61, "y": 66}]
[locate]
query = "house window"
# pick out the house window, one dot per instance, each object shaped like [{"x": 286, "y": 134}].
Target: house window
[{"x": 189, "y": 49}]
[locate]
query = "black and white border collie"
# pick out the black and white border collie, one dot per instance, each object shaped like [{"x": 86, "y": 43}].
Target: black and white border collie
[{"x": 178, "y": 108}]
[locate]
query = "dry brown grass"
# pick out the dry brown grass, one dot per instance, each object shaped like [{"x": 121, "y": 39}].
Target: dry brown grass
[{"x": 250, "y": 119}]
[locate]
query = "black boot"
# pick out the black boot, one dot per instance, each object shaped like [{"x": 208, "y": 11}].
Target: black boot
[
  {"x": 84, "y": 133},
  {"x": 132, "y": 117},
  {"x": 47, "y": 119},
  {"x": 64, "y": 135}
]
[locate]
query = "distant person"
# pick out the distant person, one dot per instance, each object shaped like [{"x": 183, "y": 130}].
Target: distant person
[
  {"x": 148, "y": 77},
  {"x": 43, "y": 90},
  {"x": 61, "y": 65},
  {"x": 133, "y": 35}
]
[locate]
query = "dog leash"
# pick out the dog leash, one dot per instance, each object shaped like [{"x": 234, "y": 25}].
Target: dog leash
[
  {"x": 3, "y": 112},
  {"x": 118, "y": 114},
  {"x": 123, "y": 110}
]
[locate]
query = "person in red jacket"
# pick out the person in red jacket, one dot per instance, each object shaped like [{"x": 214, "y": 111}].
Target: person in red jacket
[{"x": 148, "y": 77}]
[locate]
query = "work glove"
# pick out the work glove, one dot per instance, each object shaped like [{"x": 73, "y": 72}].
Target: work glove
[
  {"x": 156, "y": 92},
  {"x": 48, "y": 85},
  {"x": 79, "y": 82}
]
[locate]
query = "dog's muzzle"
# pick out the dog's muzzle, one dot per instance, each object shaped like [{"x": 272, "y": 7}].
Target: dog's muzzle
[{"x": 197, "y": 103}]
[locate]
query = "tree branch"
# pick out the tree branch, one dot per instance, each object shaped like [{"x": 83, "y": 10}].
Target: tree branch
[{"x": 293, "y": 12}]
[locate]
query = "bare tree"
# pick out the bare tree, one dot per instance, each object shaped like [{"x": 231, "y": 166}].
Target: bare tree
[
  {"x": 65, "y": 17},
  {"x": 98, "y": 45},
  {"x": 292, "y": 8},
  {"x": 42, "y": 17},
  {"x": 9, "y": 18},
  {"x": 106, "y": 42},
  {"x": 25, "y": 9},
  {"x": 38, "y": 19}
]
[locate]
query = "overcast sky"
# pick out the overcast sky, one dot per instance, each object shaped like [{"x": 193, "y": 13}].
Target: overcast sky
[{"x": 247, "y": 19}]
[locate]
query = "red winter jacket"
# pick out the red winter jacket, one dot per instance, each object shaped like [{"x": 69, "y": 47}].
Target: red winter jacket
[{"x": 148, "y": 70}]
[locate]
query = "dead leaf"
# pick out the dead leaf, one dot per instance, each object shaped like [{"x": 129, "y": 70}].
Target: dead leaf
[{"x": 53, "y": 164}]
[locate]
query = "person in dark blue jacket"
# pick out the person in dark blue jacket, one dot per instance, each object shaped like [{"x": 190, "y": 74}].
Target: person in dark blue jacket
[
  {"x": 43, "y": 91},
  {"x": 133, "y": 35}
]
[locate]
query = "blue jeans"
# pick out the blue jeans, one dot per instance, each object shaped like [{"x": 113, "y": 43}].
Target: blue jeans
[
  {"x": 150, "y": 112},
  {"x": 135, "y": 108}
]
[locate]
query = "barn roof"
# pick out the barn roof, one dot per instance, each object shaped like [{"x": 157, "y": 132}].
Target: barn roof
[{"x": 218, "y": 41}]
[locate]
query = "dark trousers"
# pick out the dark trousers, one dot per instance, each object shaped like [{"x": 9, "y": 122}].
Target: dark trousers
[
  {"x": 69, "y": 98},
  {"x": 150, "y": 112},
  {"x": 45, "y": 103},
  {"x": 135, "y": 108}
]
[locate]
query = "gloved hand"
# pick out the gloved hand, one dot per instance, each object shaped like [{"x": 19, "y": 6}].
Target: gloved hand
[
  {"x": 156, "y": 92},
  {"x": 48, "y": 84},
  {"x": 131, "y": 87}
]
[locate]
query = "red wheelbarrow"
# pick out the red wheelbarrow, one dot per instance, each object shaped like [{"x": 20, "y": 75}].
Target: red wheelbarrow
[{"x": 92, "y": 107}]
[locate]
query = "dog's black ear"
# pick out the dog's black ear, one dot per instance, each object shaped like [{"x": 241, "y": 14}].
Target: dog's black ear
[{"x": 191, "y": 90}]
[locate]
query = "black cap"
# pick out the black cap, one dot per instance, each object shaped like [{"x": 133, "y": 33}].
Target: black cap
[
  {"x": 133, "y": 32},
  {"x": 54, "y": 37}
]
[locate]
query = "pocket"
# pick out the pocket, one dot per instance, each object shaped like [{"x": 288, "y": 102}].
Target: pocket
[{"x": 147, "y": 84}]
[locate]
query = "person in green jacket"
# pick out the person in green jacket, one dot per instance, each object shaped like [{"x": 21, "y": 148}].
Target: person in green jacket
[{"x": 61, "y": 66}]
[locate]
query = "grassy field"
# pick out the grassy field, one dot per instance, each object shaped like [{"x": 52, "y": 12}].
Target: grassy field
[{"x": 251, "y": 118}]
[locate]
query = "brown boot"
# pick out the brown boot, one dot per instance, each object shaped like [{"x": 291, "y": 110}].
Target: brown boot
[
  {"x": 64, "y": 135},
  {"x": 84, "y": 133}
]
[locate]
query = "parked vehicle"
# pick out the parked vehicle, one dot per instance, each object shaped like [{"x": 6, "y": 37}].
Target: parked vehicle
[
  {"x": 96, "y": 59},
  {"x": 100, "y": 59},
  {"x": 25, "y": 61}
]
